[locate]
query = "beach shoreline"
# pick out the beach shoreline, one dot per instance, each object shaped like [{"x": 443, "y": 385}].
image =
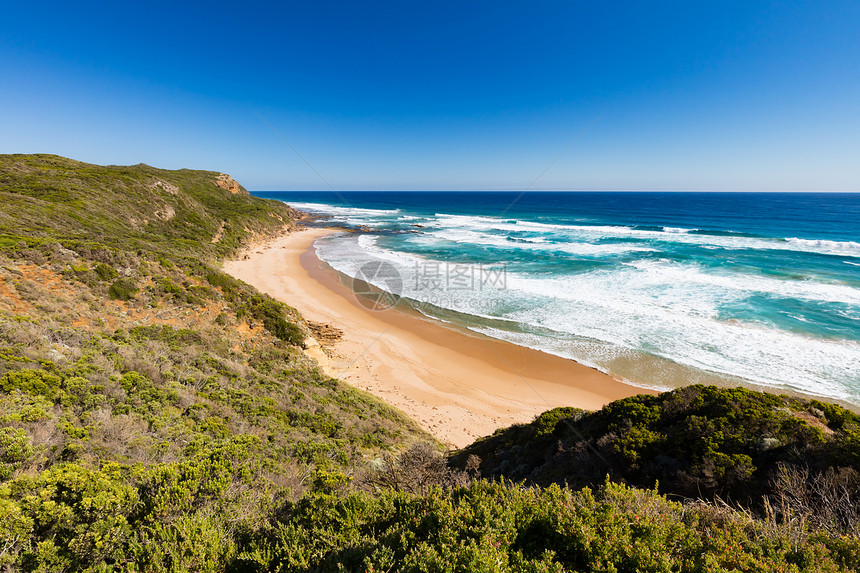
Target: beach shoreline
[{"x": 458, "y": 386}]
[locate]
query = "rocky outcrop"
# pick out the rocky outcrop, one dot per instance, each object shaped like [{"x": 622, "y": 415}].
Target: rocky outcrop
[
  {"x": 159, "y": 185},
  {"x": 326, "y": 334},
  {"x": 224, "y": 181}
]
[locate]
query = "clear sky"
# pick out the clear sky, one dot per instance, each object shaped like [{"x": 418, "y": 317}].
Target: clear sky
[{"x": 725, "y": 95}]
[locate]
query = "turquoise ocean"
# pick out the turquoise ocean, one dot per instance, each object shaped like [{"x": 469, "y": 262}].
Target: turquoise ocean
[{"x": 658, "y": 289}]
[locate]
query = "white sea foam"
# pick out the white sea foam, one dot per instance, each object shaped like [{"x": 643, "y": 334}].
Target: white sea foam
[
  {"x": 591, "y": 353},
  {"x": 354, "y": 216},
  {"x": 693, "y": 276},
  {"x": 683, "y": 325},
  {"x": 353, "y": 251},
  {"x": 564, "y": 348},
  {"x": 662, "y": 307},
  {"x": 763, "y": 356},
  {"x": 668, "y": 234},
  {"x": 460, "y": 235},
  {"x": 584, "y": 233},
  {"x": 848, "y": 248},
  {"x": 323, "y": 208}
]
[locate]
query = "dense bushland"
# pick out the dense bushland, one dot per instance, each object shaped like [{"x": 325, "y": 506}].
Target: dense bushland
[
  {"x": 506, "y": 527},
  {"x": 735, "y": 444},
  {"x": 192, "y": 516}
]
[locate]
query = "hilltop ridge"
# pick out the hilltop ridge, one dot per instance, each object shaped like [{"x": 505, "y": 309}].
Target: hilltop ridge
[{"x": 204, "y": 213}]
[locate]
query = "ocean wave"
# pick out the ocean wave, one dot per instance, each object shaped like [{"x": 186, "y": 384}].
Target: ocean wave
[
  {"x": 332, "y": 210},
  {"x": 683, "y": 328},
  {"x": 847, "y": 248},
  {"x": 685, "y": 325},
  {"x": 670, "y": 275},
  {"x": 461, "y": 236},
  {"x": 726, "y": 240},
  {"x": 592, "y": 353},
  {"x": 553, "y": 346},
  {"x": 348, "y": 254},
  {"x": 585, "y": 233},
  {"x": 775, "y": 358},
  {"x": 368, "y": 245}
]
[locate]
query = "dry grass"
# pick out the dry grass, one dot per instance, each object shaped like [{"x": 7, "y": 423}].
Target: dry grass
[{"x": 826, "y": 500}]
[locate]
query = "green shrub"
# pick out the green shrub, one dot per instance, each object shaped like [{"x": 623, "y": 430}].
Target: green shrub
[
  {"x": 174, "y": 338},
  {"x": 106, "y": 272},
  {"x": 167, "y": 286},
  {"x": 171, "y": 490},
  {"x": 15, "y": 449},
  {"x": 271, "y": 313},
  {"x": 191, "y": 543},
  {"x": 502, "y": 527},
  {"x": 36, "y": 382},
  {"x": 222, "y": 280},
  {"x": 546, "y": 423},
  {"x": 286, "y": 331},
  {"x": 80, "y": 517},
  {"x": 15, "y": 530},
  {"x": 123, "y": 289}
]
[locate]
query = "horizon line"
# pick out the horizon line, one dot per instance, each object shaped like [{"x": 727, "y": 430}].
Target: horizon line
[{"x": 549, "y": 190}]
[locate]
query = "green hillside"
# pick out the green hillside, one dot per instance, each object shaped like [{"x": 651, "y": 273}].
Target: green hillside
[
  {"x": 159, "y": 415},
  {"x": 135, "y": 375},
  {"x": 184, "y": 212}
]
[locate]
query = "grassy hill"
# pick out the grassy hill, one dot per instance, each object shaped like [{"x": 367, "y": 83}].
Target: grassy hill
[
  {"x": 133, "y": 371},
  {"x": 158, "y": 415},
  {"x": 182, "y": 213}
]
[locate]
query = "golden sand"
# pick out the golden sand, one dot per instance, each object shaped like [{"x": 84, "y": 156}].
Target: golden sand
[{"x": 458, "y": 385}]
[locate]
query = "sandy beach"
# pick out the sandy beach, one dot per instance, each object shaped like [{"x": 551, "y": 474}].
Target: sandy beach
[{"x": 457, "y": 385}]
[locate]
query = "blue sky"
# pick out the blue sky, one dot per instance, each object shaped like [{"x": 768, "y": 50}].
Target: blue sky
[{"x": 461, "y": 95}]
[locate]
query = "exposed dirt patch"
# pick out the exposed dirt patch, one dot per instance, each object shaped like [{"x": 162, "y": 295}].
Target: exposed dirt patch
[
  {"x": 220, "y": 232},
  {"x": 165, "y": 213},
  {"x": 52, "y": 282},
  {"x": 11, "y": 300},
  {"x": 812, "y": 421},
  {"x": 164, "y": 186},
  {"x": 248, "y": 332}
]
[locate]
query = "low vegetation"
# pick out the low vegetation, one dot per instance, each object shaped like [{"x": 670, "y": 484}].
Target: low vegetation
[
  {"x": 507, "y": 527},
  {"x": 759, "y": 451},
  {"x": 138, "y": 384},
  {"x": 159, "y": 415}
]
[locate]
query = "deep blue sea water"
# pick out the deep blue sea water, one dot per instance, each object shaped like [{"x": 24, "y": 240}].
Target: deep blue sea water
[{"x": 660, "y": 289}]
